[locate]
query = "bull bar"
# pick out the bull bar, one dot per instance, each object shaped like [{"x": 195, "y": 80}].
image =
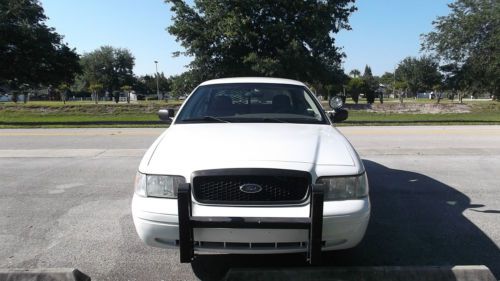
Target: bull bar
[{"x": 187, "y": 222}]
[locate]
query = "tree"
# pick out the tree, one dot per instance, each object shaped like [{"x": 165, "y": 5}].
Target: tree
[
  {"x": 290, "y": 39},
  {"x": 387, "y": 79},
  {"x": 419, "y": 74},
  {"x": 355, "y": 86},
  {"x": 108, "y": 66},
  {"x": 355, "y": 73},
  {"x": 370, "y": 85},
  {"x": 468, "y": 41},
  {"x": 402, "y": 88},
  {"x": 454, "y": 79},
  {"x": 183, "y": 84},
  {"x": 149, "y": 83},
  {"x": 63, "y": 89},
  {"x": 32, "y": 53},
  {"x": 95, "y": 89}
]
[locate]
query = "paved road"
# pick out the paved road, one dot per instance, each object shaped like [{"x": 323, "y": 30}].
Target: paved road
[{"x": 65, "y": 202}]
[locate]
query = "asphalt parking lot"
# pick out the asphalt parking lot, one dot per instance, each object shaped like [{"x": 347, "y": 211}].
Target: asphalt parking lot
[{"x": 65, "y": 202}]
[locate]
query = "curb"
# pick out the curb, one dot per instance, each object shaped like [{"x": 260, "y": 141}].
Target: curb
[
  {"x": 50, "y": 274},
  {"x": 385, "y": 273}
]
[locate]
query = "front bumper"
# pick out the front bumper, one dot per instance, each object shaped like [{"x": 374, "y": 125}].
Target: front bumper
[{"x": 343, "y": 226}]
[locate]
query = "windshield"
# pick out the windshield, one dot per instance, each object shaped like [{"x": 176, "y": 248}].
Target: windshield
[{"x": 251, "y": 102}]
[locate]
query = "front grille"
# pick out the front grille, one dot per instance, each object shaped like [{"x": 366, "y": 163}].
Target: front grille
[{"x": 277, "y": 186}]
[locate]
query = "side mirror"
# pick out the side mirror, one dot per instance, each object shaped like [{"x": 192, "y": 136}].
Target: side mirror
[
  {"x": 336, "y": 102},
  {"x": 339, "y": 115},
  {"x": 166, "y": 115}
]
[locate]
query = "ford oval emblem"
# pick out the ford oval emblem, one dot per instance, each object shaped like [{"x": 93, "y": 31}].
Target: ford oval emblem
[{"x": 250, "y": 188}]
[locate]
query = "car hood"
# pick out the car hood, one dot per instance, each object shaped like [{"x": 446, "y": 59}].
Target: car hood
[{"x": 227, "y": 145}]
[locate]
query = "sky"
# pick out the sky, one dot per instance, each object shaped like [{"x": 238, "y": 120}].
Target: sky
[{"x": 383, "y": 31}]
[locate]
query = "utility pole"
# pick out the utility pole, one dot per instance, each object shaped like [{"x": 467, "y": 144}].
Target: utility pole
[
  {"x": 157, "y": 81},
  {"x": 394, "y": 83}
]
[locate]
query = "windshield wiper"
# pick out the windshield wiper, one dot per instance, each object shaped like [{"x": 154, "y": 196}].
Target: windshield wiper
[
  {"x": 205, "y": 118},
  {"x": 273, "y": 120}
]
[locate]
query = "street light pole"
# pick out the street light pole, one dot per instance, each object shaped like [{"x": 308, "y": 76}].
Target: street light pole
[
  {"x": 394, "y": 83},
  {"x": 157, "y": 81}
]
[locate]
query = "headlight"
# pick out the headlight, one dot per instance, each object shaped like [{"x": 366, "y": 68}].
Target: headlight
[
  {"x": 343, "y": 188},
  {"x": 157, "y": 186}
]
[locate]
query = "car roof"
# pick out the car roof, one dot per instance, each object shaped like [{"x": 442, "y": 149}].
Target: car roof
[{"x": 252, "y": 80}]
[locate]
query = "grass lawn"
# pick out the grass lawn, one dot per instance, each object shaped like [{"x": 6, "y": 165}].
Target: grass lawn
[
  {"x": 80, "y": 114},
  {"x": 481, "y": 112},
  {"x": 412, "y": 100},
  {"x": 144, "y": 114},
  {"x": 372, "y": 118}
]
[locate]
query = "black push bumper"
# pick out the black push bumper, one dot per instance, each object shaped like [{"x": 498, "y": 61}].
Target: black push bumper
[{"x": 314, "y": 223}]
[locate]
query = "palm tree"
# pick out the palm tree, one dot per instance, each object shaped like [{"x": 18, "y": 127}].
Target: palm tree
[
  {"x": 95, "y": 89},
  {"x": 355, "y": 73}
]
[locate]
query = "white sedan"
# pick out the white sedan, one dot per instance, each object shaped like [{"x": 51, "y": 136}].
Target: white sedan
[{"x": 251, "y": 166}]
